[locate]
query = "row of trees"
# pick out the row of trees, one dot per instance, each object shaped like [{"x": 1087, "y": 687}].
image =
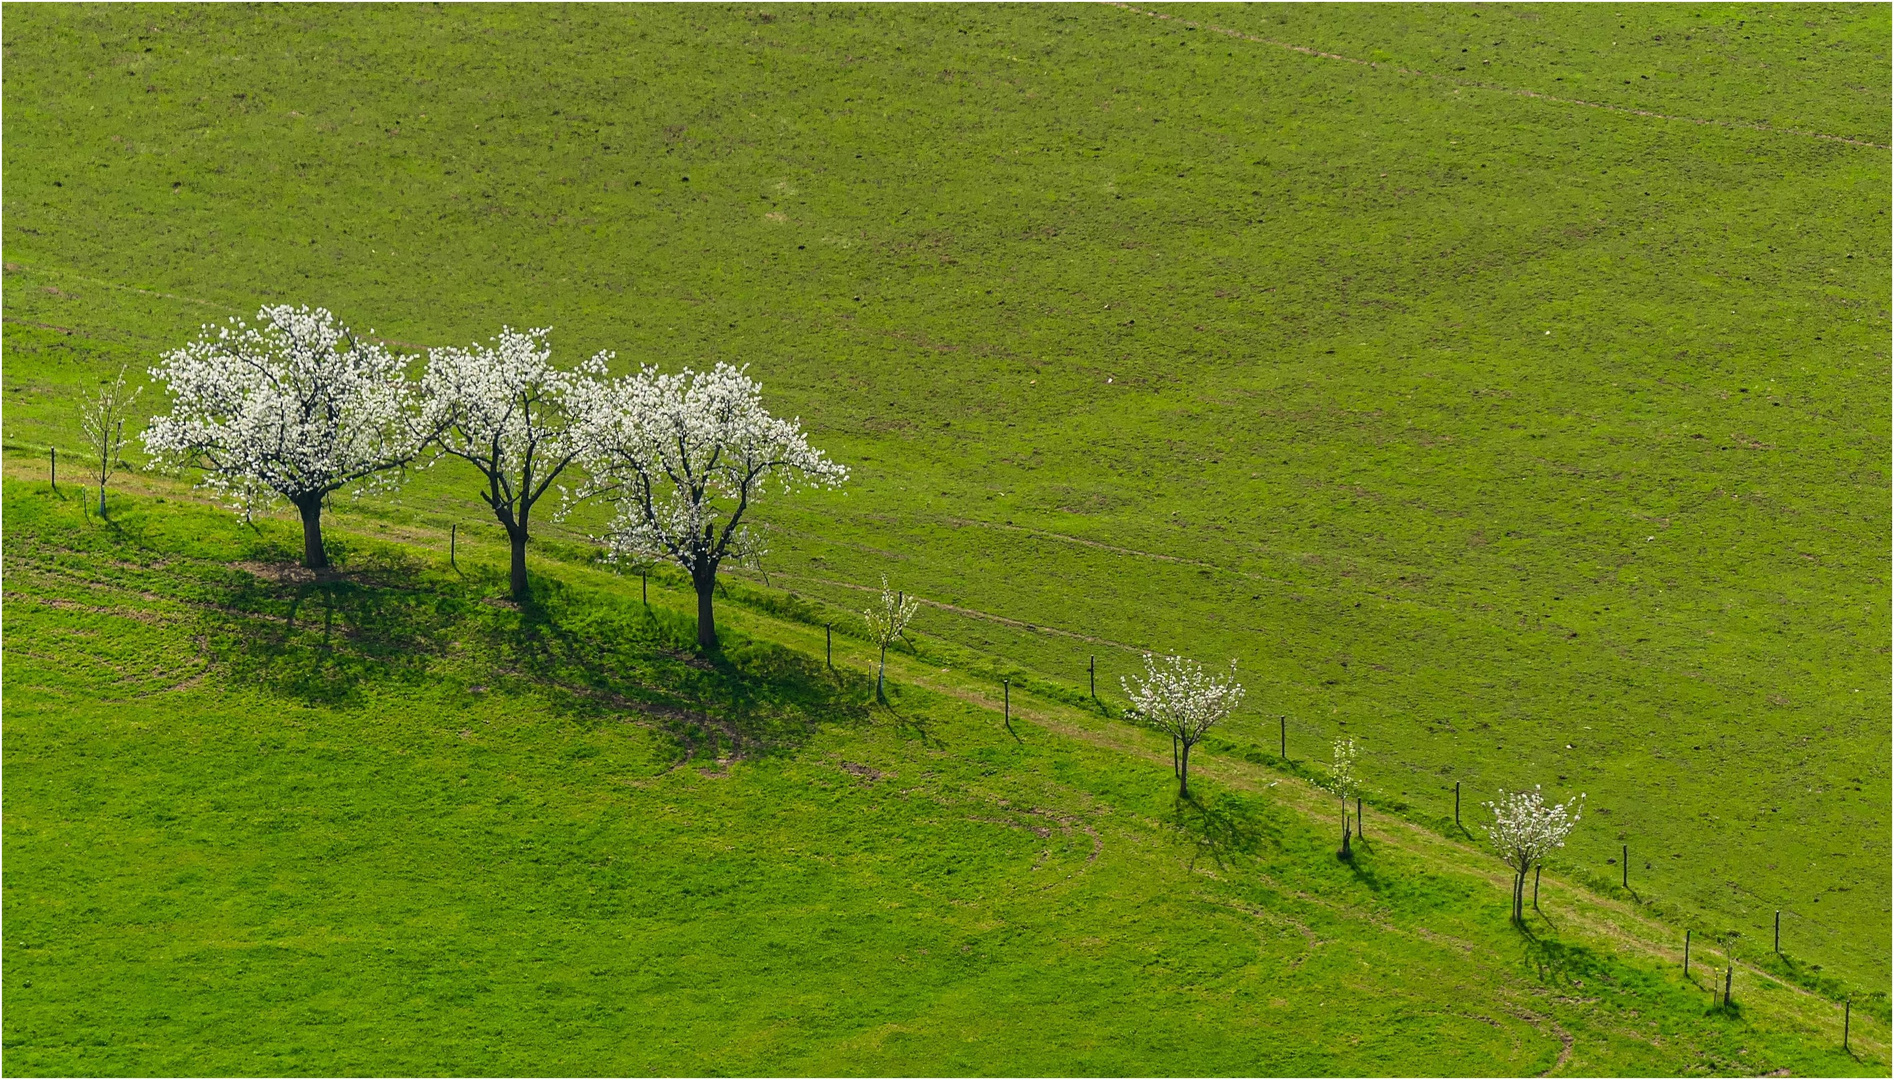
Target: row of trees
[
  {"x": 1177, "y": 697},
  {"x": 297, "y": 407}
]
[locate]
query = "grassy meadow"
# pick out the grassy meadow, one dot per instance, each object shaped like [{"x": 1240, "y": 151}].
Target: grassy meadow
[
  {"x": 1504, "y": 387},
  {"x": 378, "y": 823}
]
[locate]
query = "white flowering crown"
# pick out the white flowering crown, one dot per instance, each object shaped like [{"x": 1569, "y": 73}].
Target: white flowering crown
[
  {"x": 1342, "y": 780},
  {"x": 1177, "y": 696},
  {"x": 1526, "y": 828},
  {"x": 504, "y": 405},
  {"x": 683, "y": 456},
  {"x": 888, "y": 618},
  {"x": 294, "y": 406}
]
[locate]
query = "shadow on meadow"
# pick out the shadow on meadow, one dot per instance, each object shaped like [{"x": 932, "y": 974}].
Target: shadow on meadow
[
  {"x": 1224, "y": 826},
  {"x": 382, "y": 618}
]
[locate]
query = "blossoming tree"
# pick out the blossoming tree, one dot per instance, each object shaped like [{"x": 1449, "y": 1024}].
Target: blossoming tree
[
  {"x": 102, "y": 420},
  {"x": 1342, "y": 781},
  {"x": 504, "y": 409},
  {"x": 294, "y": 406},
  {"x": 887, "y": 620},
  {"x": 1179, "y": 698},
  {"x": 1526, "y": 829},
  {"x": 682, "y": 457}
]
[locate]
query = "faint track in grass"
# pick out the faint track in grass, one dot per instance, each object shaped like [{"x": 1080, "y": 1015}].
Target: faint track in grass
[
  {"x": 1599, "y": 916},
  {"x": 972, "y": 613},
  {"x": 1625, "y": 110}
]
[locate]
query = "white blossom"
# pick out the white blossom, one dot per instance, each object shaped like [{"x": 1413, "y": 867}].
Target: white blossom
[
  {"x": 295, "y": 406},
  {"x": 887, "y": 620},
  {"x": 1341, "y": 773},
  {"x": 505, "y": 409},
  {"x": 1526, "y": 829},
  {"x": 682, "y": 457},
  {"x": 102, "y": 420},
  {"x": 1179, "y": 698}
]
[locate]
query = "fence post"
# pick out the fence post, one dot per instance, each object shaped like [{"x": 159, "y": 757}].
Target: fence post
[
  {"x": 1778, "y": 932},
  {"x": 1456, "y": 804},
  {"x": 828, "y": 644},
  {"x": 1358, "y": 831},
  {"x": 1624, "y": 866},
  {"x": 1686, "y": 954},
  {"x": 1847, "y": 1013},
  {"x": 1094, "y": 672},
  {"x": 1006, "y": 699},
  {"x": 1284, "y": 751},
  {"x": 55, "y": 453},
  {"x": 453, "y": 545}
]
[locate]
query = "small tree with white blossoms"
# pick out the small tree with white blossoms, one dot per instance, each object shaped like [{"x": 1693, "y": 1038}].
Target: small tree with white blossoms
[
  {"x": 682, "y": 457},
  {"x": 1342, "y": 781},
  {"x": 1525, "y": 830},
  {"x": 504, "y": 409},
  {"x": 887, "y": 620},
  {"x": 102, "y": 420},
  {"x": 1179, "y": 698},
  {"x": 295, "y": 406}
]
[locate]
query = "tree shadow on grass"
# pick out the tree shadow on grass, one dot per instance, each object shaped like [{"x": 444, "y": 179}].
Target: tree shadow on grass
[
  {"x": 1557, "y": 961},
  {"x": 1223, "y": 828},
  {"x": 382, "y": 617},
  {"x": 320, "y": 638},
  {"x": 600, "y": 658},
  {"x": 910, "y": 725}
]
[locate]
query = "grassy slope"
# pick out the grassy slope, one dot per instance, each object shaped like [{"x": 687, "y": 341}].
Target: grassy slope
[
  {"x": 1475, "y": 425},
  {"x": 380, "y": 824}
]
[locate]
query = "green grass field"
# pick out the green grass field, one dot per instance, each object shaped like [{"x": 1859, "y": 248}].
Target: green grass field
[{"x": 1506, "y": 388}]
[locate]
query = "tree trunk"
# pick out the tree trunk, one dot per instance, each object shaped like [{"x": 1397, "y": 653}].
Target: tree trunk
[
  {"x": 706, "y": 620},
  {"x": 880, "y": 673},
  {"x": 101, "y": 498},
  {"x": 1183, "y": 772},
  {"x": 314, "y": 557},
  {"x": 518, "y": 581}
]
